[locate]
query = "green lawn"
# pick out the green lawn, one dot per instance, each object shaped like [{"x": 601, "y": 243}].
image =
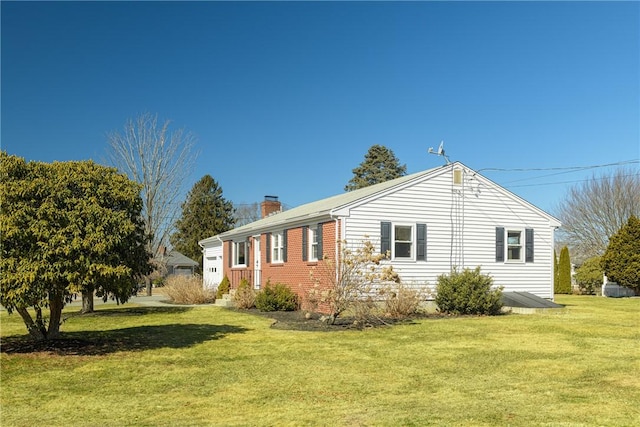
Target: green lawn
[{"x": 208, "y": 366}]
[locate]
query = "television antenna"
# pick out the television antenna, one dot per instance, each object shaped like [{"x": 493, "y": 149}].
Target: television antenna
[{"x": 440, "y": 152}]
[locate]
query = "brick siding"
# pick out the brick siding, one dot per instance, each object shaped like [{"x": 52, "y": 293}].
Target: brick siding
[{"x": 295, "y": 272}]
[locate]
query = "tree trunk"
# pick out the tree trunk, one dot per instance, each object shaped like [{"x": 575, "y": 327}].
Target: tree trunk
[
  {"x": 87, "y": 301},
  {"x": 35, "y": 332},
  {"x": 147, "y": 280},
  {"x": 55, "y": 316}
]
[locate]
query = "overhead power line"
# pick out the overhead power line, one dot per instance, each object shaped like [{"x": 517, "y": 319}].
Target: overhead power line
[
  {"x": 568, "y": 182},
  {"x": 566, "y": 168}
]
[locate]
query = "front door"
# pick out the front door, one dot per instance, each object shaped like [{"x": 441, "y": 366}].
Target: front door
[{"x": 256, "y": 262}]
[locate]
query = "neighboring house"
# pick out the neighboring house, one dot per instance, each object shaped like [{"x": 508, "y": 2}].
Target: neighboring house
[
  {"x": 176, "y": 263},
  {"x": 430, "y": 222}
]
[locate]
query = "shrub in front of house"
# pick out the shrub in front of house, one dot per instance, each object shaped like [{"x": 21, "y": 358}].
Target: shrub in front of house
[
  {"x": 468, "y": 292},
  {"x": 187, "y": 290},
  {"x": 400, "y": 301},
  {"x": 223, "y": 287},
  {"x": 278, "y": 297},
  {"x": 245, "y": 296}
]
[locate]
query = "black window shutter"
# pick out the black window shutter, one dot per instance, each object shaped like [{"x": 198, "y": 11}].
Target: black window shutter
[
  {"x": 319, "y": 240},
  {"x": 421, "y": 247},
  {"x": 247, "y": 258},
  {"x": 230, "y": 253},
  {"x": 268, "y": 247},
  {"x": 499, "y": 244},
  {"x": 528, "y": 241},
  {"x": 284, "y": 246},
  {"x": 305, "y": 235},
  {"x": 385, "y": 237}
]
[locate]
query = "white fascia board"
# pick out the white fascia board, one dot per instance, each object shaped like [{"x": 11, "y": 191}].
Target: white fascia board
[{"x": 209, "y": 242}]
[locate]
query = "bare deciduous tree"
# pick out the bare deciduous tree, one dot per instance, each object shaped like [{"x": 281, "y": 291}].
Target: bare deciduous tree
[
  {"x": 247, "y": 213},
  {"x": 159, "y": 159},
  {"x": 350, "y": 283},
  {"x": 596, "y": 209}
]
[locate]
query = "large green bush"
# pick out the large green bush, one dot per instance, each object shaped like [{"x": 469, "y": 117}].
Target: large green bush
[
  {"x": 589, "y": 276},
  {"x": 276, "y": 297},
  {"x": 468, "y": 292},
  {"x": 621, "y": 261}
]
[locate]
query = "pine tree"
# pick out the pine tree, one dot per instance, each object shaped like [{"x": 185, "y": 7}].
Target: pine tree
[
  {"x": 205, "y": 213},
  {"x": 621, "y": 261},
  {"x": 379, "y": 165},
  {"x": 564, "y": 272}
]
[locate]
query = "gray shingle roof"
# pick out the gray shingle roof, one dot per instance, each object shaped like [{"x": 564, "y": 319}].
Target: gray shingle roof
[
  {"x": 176, "y": 259},
  {"x": 318, "y": 208}
]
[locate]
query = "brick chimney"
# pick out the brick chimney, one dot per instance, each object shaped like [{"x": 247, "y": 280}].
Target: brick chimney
[{"x": 270, "y": 205}]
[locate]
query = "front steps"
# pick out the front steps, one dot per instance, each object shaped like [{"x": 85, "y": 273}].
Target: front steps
[{"x": 225, "y": 301}]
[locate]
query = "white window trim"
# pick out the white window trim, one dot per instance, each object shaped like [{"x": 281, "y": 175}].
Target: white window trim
[
  {"x": 413, "y": 241},
  {"x": 312, "y": 232},
  {"x": 279, "y": 236},
  {"x": 235, "y": 254},
  {"x": 522, "y": 245}
]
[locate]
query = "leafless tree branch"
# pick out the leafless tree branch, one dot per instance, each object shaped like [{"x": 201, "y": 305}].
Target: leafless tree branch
[
  {"x": 159, "y": 159},
  {"x": 596, "y": 209}
]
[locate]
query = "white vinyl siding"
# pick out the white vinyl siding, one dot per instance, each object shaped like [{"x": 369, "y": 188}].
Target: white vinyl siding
[{"x": 461, "y": 231}]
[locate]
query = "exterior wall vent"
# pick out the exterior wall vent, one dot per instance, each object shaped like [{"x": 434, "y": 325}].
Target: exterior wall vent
[{"x": 457, "y": 176}]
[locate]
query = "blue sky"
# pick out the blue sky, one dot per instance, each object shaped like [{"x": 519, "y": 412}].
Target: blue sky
[{"x": 285, "y": 98}]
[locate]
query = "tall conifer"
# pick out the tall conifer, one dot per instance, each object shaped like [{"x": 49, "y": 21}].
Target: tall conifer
[{"x": 564, "y": 272}]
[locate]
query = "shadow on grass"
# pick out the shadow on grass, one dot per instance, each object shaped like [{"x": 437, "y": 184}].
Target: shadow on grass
[
  {"x": 127, "y": 311},
  {"x": 137, "y": 338}
]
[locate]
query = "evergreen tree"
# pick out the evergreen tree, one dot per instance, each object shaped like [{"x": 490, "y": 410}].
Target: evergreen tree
[
  {"x": 621, "y": 261},
  {"x": 555, "y": 272},
  {"x": 67, "y": 228},
  {"x": 205, "y": 213},
  {"x": 564, "y": 272},
  {"x": 379, "y": 165}
]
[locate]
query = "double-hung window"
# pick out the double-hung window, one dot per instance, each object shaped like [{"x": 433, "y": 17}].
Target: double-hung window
[
  {"x": 514, "y": 245},
  {"x": 277, "y": 247},
  {"x": 313, "y": 244},
  {"x": 404, "y": 241},
  {"x": 239, "y": 253}
]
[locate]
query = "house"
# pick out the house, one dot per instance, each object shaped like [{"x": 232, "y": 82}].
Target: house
[
  {"x": 430, "y": 222},
  {"x": 175, "y": 262}
]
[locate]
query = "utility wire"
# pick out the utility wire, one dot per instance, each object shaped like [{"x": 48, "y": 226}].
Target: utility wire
[
  {"x": 570, "y": 168},
  {"x": 568, "y": 182}
]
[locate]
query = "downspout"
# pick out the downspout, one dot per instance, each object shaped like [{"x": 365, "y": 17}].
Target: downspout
[{"x": 337, "y": 242}]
